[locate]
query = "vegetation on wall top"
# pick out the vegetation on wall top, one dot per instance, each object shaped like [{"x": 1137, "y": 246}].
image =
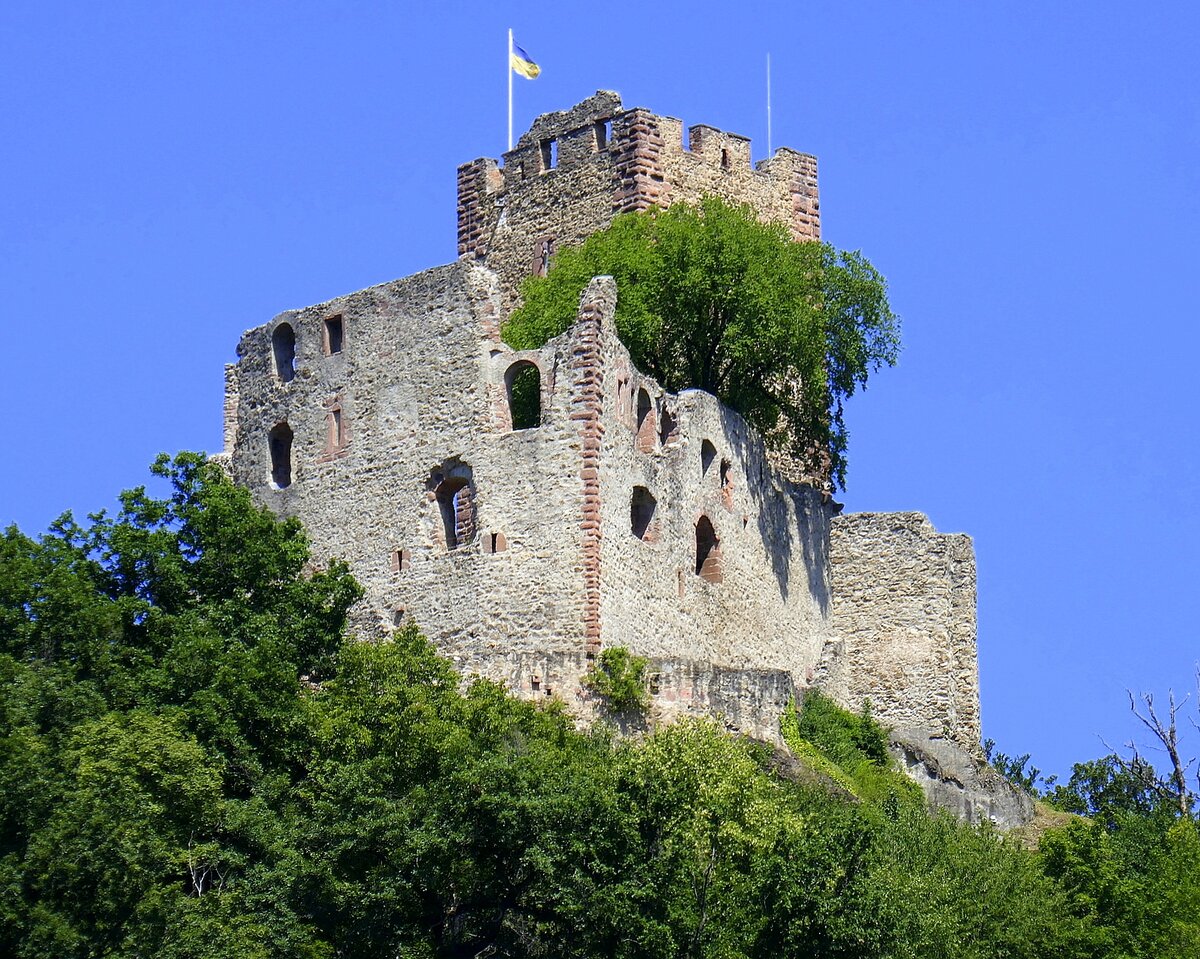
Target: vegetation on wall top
[{"x": 710, "y": 297}]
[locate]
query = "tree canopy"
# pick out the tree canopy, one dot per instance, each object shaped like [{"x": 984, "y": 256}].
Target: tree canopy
[
  {"x": 196, "y": 762},
  {"x": 709, "y": 297}
]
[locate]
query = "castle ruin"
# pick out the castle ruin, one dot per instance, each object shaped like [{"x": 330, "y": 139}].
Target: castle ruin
[{"x": 528, "y": 509}]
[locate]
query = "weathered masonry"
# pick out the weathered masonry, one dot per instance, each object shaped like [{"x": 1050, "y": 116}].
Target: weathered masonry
[
  {"x": 527, "y": 509},
  {"x": 573, "y": 171}
]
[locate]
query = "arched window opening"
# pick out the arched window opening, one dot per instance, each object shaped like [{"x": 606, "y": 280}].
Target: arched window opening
[
  {"x": 283, "y": 346},
  {"x": 279, "y": 443},
  {"x": 708, "y": 453},
  {"x": 457, "y": 511},
  {"x": 668, "y": 430},
  {"x": 523, "y": 382},
  {"x": 708, "y": 551},
  {"x": 641, "y": 512},
  {"x": 645, "y": 422}
]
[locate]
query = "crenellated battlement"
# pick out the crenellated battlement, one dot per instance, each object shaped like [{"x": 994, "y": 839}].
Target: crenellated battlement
[{"x": 574, "y": 170}]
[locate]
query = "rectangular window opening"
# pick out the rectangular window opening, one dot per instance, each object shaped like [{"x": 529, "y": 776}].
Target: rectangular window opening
[
  {"x": 549, "y": 154},
  {"x": 337, "y": 438},
  {"x": 333, "y": 334},
  {"x": 603, "y": 134}
]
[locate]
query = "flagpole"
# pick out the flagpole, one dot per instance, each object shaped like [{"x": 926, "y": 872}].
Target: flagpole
[
  {"x": 768, "y": 105},
  {"x": 509, "y": 69}
]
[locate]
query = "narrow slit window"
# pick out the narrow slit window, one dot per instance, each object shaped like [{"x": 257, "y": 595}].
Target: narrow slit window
[
  {"x": 724, "y": 159},
  {"x": 283, "y": 346},
  {"x": 279, "y": 444},
  {"x": 667, "y": 430},
  {"x": 334, "y": 329},
  {"x": 337, "y": 438},
  {"x": 646, "y": 433},
  {"x": 457, "y": 512},
  {"x": 708, "y": 453},
  {"x": 549, "y": 154},
  {"x": 708, "y": 551},
  {"x": 603, "y": 134}
]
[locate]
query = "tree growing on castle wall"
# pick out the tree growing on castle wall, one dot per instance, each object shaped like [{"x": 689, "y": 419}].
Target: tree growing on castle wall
[{"x": 711, "y": 298}]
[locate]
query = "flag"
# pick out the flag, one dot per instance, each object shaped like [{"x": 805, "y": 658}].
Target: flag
[{"x": 523, "y": 64}]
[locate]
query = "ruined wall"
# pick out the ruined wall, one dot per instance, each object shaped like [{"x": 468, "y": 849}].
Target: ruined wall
[
  {"x": 904, "y": 619},
  {"x": 574, "y": 170},
  {"x": 675, "y": 467},
  {"x": 420, "y": 394},
  {"x": 515, "y": 549}
]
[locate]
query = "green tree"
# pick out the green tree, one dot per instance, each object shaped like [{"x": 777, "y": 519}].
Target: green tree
[
  {"x": 155, "y": 666},
  {"x": 711, "y": 298}
]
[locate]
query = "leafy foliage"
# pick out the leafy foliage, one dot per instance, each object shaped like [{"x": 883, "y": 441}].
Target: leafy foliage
[
  {"x": 1016, "y": 769},
  {"x": 620, "y": 680},
  {"x": 195, "y": 763},
  {"x": 711, "y": 298}
]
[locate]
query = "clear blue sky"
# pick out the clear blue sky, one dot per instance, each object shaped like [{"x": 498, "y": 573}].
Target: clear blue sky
[{"x": 1027, "y": 175}]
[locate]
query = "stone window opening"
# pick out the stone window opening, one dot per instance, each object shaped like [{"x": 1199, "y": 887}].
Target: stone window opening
[
  {"x": 549, "y": 149},
  {"x": 724, "y": 159},
  {"x": 641, "y": 513},
  {"x": 603, "y": 134},
  {"x": 335, "y": 433},
  {"x": 457, "y": 511},
  {"x": 708, "y": 453},
  {"x": 496, "y": 543},
  {"x": 668, "y": 430},
  {"x": 523, "y": 384},
  {"x": 726, "y": 485},
  {"x": 279, "y": 444},
  {"x": 334, "y": 333},
  {"x": 401, "y": 560},
  {"x": 708, "y": 551},
  {"x": 283, "y": 348},
  {"x": 542, "y": 252},
  {"x": 646, "y": 433}
]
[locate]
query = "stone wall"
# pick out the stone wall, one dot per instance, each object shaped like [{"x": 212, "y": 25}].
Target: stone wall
[
  {"x": 576, "y": 169},
  {"x": 904, "y": 619},
  {"x": 623, "y": 516}
]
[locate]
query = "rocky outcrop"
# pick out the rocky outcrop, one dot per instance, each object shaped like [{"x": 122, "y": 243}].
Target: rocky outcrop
[{"x": 958, "y": 781}]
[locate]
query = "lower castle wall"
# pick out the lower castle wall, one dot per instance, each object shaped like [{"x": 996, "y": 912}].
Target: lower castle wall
[{"x": 904, "y": 624}]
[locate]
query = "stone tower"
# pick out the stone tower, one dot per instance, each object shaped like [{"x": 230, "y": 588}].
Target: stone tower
[{"x": 574, "y": 170}]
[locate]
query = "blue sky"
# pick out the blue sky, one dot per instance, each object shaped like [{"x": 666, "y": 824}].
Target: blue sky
[{"x": 1026, "y": 176}]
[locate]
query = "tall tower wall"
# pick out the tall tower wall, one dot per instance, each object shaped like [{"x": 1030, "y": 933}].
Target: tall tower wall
[{"x": 574, "y": 170}]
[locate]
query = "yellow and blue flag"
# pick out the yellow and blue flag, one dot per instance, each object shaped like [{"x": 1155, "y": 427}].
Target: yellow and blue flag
[{"x": 523, "y": 63}]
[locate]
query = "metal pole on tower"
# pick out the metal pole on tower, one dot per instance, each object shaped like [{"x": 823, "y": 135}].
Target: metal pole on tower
[
  {"x": 768, "y": 105},
  {"x": 509, "y": 70}
]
